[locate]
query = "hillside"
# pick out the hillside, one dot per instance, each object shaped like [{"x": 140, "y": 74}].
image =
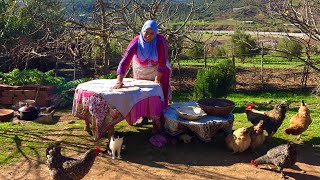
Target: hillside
[{"x": 221, "y": 14}]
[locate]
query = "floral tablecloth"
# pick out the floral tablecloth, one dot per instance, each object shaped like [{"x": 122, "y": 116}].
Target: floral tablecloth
[
  {"x": 92, "y": 105},
  {"x": 205, "y": 128}
]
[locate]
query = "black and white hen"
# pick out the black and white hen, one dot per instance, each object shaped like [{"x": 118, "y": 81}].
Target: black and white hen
[
  {"x": 67, "y": 168},
  {"x": 282, "y": 156}
]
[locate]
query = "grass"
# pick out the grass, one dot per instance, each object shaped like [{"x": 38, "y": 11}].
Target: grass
[
  {"x": 255, "y": 61},
  {"x": 29, "y": 141},
  {"x": 310, "y": 136}
]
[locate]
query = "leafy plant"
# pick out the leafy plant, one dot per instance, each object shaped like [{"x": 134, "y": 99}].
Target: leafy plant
[
  {"x": 196, "y": 50},
  {"x": 219, "y": 51},
  {"x": 108, "y": 76},
  {"x": 30, "y": 77},
  {"x": 24, "y": 77},
  {"x": 316, "y": 90},
  {"x": 66, "y": 90},
  {"x": 291, "y": 47},
  {"x": 216, "y": 81},
  {"x": 244, "y": 45}
]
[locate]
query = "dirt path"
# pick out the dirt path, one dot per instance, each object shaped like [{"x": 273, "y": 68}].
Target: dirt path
[
  {"x": 184, "y": 161},
  {"x": 196, "y": 160}
]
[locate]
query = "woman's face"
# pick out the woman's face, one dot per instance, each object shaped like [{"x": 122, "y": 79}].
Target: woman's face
[{"x": 148, "y": 35}]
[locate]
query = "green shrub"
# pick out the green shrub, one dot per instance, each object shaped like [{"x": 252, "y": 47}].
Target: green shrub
[
  {"x": 30, "y": 77},
  {"x": 219, "y": 51},
  {"x": 108, "y": 76},
  {"x": 316, "y": 90},
  {"x": 216, "y": 81},
  {"x": 244, "y": 45},
  {"x": 195, "y": 51},
  {"x": 290, "y": 47}
]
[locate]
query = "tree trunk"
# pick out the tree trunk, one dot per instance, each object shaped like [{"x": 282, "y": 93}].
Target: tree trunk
[
  {"x": 233, "y": 57},
  {"x": 105, "y": 37},
  {"x": 205, "y": 56},
  {"x": 305, "y": 71},
  {"x": 262, "y": 61}
]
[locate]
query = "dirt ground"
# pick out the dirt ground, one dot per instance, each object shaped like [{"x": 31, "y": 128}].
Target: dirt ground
[{"x": 196, "y": 160}]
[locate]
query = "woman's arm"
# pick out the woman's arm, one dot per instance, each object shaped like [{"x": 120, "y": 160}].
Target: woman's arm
[
  {"x": 127, "y": 56},
  {"x": 125, "y": 61},
  {"x": 162, "y": 57}
]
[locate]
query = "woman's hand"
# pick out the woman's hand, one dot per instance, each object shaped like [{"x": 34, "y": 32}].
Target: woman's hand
[
  {"x": 119, "y": 82},
  {"x": 158, "y": 78},
  {"x": 157, "y": 81},
  {"x": 118, "y": 85}
]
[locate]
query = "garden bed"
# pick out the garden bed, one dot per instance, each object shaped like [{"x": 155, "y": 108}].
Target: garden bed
[{"x": 248, "y": 79}]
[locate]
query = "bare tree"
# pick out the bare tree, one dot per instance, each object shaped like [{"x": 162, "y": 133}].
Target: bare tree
[
  {"x": 305, "y": 16},
  {"x": 27, "y": 35},
  {"x": 106, "y": 22},
  {"x": 165, "y": 12}
]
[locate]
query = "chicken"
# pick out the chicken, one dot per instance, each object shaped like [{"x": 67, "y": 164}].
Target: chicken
[
  {"x": 47, "y": 109},
  {"x": 282, "y": 156},
  {"x": 185, "y": 138},
  {"x": 46, "y": 118},
  {"x": 300, "y": 121},
  {"x": 256, "y": 135},
  {"x": 272, "y": 120},
  {"x": 67, "y": 168},
  {"x": 239, "y": 140}
]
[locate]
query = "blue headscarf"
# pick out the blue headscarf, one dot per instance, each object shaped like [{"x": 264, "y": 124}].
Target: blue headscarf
[{"x": 148, "y": 50}]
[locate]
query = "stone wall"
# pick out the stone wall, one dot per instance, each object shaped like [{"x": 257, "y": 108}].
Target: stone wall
[{"x": 11, "y": 95}]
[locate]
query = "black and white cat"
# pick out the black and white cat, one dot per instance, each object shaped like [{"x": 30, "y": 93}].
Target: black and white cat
[{"x": 116, "y": 144}]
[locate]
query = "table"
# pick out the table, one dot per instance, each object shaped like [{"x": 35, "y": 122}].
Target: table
[
  {"x": 205, "y": 128},
  {"x": 103, "y": 107}
]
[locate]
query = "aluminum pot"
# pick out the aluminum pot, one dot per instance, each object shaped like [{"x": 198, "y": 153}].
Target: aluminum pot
[
  {"x": 26, "y": 102},
  {"x": 29, "y": 112}
]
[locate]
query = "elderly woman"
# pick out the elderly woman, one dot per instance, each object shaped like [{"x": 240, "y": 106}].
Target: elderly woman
[{"x": 149, "y": 55}]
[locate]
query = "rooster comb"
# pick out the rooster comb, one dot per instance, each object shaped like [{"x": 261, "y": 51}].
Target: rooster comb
[
  {"x": 253, "y": 163},
  {"x": 98, "y": 150},
  {"x": 249, "y": 106}
]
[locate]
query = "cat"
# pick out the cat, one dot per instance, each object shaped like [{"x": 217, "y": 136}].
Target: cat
[{"x": 116, "y": 144}]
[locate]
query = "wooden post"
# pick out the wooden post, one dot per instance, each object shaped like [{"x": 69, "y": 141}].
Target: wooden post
[
  {"x": 176, "y": 57},
  {"x": 56, "y": 68},
  {"x": 261, "y": 73},
  {"x": 305, "y": 70},
  {"x": 204, "y": 56},
  {"x": 75, "y": 67},
  {"x": 233, "y": 57}
]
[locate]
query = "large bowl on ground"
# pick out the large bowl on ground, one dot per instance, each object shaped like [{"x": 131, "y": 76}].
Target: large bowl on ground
[
  {"x": 216, "y": 106},
  {"x": 190, "y": 112},
  {"x": 6, "y": 115}
]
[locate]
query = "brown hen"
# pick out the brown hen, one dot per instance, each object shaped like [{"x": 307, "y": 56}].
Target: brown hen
[
  {"x": 239, "y": 140},
  {"x": 256, "y": 135},
  {"x": 300, "y": 121},
  {"x": 272, "y": 120}
]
